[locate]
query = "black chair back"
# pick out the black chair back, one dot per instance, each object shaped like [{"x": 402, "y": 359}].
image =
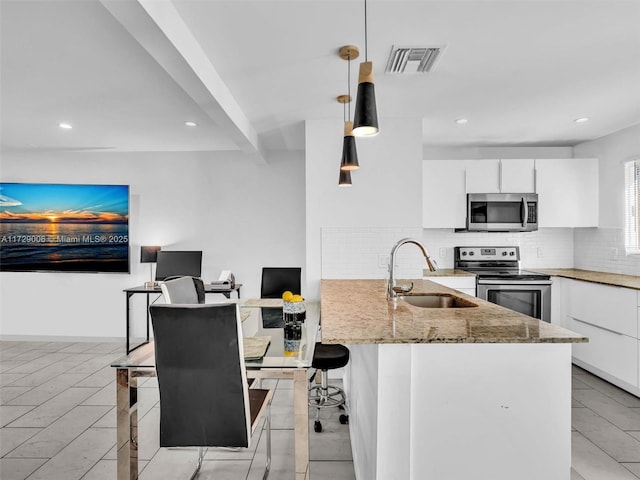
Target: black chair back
[
  {"x": 201, "y": 376},
  {"x": 277, "y": 280}
]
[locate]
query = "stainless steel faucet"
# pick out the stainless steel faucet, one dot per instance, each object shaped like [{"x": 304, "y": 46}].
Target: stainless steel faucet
[{"x": 392, "y": 288}]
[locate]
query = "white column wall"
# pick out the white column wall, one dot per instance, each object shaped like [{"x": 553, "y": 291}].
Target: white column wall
[
  {"x": 386, "y": 191},
  {"x": 242, "y": 215}
]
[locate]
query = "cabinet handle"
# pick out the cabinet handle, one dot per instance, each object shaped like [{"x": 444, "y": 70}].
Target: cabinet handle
[
  {"x": 597, "y": 326},
  {"x": 500, "y": 175}
]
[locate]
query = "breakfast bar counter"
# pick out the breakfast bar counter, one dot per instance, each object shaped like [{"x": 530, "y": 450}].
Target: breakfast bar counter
[
  {"x": 357, "y": 311},
  {"x": 470, "y": 391}
]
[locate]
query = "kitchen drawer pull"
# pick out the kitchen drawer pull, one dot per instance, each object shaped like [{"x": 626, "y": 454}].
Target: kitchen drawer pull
[{"x": 597, "y": 326}]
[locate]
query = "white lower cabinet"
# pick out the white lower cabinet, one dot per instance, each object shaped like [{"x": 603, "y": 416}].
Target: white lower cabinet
[
  {"x": 608, "y": 316},
  {"x": 464, "y": 284},
  {"x": 559, "y": 295},
  {"x": 613, "y": 354},
  {"x": 612, "y": 308}
]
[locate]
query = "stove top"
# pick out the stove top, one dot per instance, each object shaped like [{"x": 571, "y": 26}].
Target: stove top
[
  {"x": 512, "y": 274},
  {"x": 494, "y": 263}
]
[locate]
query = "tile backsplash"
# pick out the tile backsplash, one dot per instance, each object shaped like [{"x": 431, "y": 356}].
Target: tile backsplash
[
  {"x": 545, "y": 248},
  {"x": 602, "y": 249},
  {"x": 364, "y": 252}
]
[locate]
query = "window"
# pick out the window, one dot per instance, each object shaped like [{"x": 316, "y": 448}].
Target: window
[{"x": 632, "y": 190}]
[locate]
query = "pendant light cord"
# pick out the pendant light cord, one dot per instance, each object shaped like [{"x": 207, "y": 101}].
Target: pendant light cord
[
  {"x": 344, "y": 111},
  {"x": 349, "y": 83},
  {"x": 366, "y": 57}
]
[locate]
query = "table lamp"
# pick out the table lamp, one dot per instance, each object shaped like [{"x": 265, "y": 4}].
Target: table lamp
[{"x": 149, "y": 255}]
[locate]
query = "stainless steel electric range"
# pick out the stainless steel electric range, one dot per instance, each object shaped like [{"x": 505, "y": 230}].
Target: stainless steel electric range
[{"x": 500, "y": 280}]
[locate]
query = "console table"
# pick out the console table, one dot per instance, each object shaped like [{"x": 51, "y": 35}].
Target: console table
[{"x": 226, "y": 290}]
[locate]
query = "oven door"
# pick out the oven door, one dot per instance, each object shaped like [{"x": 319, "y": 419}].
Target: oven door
[{"x": 533, "y": 299}]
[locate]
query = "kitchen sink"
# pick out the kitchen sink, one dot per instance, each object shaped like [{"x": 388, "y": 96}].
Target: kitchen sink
[{"x": 436, "y": 301}]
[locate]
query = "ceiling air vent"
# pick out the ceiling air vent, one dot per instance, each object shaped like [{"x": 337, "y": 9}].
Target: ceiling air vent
[{"x": 412, "y": 59}]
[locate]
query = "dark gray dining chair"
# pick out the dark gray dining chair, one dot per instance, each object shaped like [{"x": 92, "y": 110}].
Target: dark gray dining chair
[
  {"x": 275, "y": 281},
  {"x": 183, "y": 290},
  {"x": 205, "y": 400}
]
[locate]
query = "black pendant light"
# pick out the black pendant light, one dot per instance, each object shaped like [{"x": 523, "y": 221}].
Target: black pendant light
[
  {"x": 345, "y": 178},
  {"x": 365, "y": 119},
  {"x": 349, "y": 153}
]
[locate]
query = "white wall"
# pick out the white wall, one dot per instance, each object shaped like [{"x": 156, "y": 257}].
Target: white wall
[
  {"x": 386, "y": 191},
  {"x": 602, "y": 248},
  {"x": 612, "y": 151},
  {"x": 242, "y": 215}
]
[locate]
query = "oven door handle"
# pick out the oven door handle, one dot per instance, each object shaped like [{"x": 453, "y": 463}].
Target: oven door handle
[
  {"x": 527, "y": 283},
  {"x": 524, "y": 213}
]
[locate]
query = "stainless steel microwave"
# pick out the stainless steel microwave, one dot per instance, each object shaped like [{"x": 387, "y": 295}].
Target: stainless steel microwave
[{"x": 502, "y": 212}]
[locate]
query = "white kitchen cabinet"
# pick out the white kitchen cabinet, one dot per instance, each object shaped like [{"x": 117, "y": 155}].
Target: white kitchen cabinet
[
  {"x": 559, "y": 287},
  {"x": 500, "y": 176},
  {"x": 482, "y": 176},
  {"x": 462, "y": 283},
  {"x": 444, "y": 202},
  {"x": 567, "y": 188},
  {"x": 612, "y": 354},
  {"x": 612, "y": 308},
  {"x": 517, "y": 175},
  {"x": 567, "y": 192},
  {"x": 608, "y": 315}
]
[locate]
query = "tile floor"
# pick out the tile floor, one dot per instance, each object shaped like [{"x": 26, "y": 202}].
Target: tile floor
[{"x": 57, "y": 419}]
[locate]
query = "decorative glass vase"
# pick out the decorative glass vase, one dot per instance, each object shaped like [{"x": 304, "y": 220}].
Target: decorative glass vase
[{"x": 294, "y": 315}]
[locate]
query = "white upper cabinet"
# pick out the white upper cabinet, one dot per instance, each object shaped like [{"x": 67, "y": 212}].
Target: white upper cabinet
[
  {"x": 517, "y": 175},
  {"x": 500, "y": 176},
  {"x": 567, "y": 189},
  {"x": 567, "y": 192},
  {"x": 482, "y": 176},
  {"x": 443, "y": 196}
]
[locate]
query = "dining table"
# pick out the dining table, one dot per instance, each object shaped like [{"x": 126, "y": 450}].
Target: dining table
[{"x": 277, "y": 363}]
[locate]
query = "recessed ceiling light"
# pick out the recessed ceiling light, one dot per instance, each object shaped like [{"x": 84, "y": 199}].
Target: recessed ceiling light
[
  {"x": 66, "y": 126},
  {"x": 581, "y": 119},
  {"x": 461, "y": 121},
  {"x": 191, "y": 124}
]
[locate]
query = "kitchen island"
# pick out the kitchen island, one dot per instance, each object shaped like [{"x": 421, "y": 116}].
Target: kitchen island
[{"x": 477, "y": 391}]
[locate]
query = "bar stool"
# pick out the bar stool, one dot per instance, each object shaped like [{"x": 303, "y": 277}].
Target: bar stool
[{"x": 325, "y": 358}]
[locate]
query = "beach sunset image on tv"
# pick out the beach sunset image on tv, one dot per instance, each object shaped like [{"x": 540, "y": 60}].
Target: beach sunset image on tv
[{"x": 64, "y": 227}]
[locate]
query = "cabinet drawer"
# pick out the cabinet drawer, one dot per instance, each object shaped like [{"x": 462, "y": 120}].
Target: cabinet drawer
[
  {"x": 468, "y": 291},
  {"x": 613, "y": 308},
  {"x": 608, "y": 351},
  {"x": 464, "y": 284}
]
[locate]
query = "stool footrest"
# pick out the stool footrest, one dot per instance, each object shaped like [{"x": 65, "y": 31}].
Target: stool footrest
[{"x": 332, "y": 397}]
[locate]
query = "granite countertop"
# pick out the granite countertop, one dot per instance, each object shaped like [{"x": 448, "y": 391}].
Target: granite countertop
[
  {"x": 447, "y": 272},
  {"x": 614, "y": 279},
  {"x": 357, "y": 311}
]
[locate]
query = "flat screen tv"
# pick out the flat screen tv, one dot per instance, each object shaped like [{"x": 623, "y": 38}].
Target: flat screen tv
[
  {"x": 174, "y": 263},
  {"x": 64, "y": 228}
]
